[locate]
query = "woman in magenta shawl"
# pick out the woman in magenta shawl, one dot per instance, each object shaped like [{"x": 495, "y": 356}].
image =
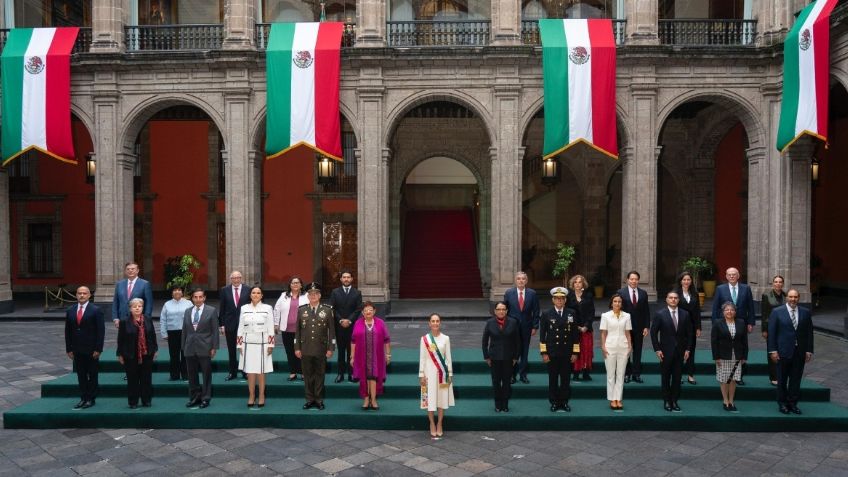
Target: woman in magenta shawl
[{"x": 370, "y": 352}]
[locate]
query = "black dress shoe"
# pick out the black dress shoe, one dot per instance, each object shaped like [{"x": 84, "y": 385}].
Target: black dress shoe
[
  {"x": 565, "y": 407},
  {"x": 133, "y": 406},
  {"x": 675, "y": 407},
  {"x": 229, "y": 377},
  {"x": 575, "y": 377},
  {"x": 525, "y": 380},
  {"x": 741, "y": 382},
  {"x": 339, "y": 378},
  {"x": 795, "y": 409},
  {"x": 725, "y": 406},
  {"x": 586, "y": 376},
  {"x": 193, "y": 403},
  {"x": 79, "y": 405},
  {"x": 351, "y": 379},
  {"x": 667, "y": 406},
  {"x": 554, "y": 408},
  {"x": 512, "y": 380},
  {"x": 308, "y": 405},
  {"x": 627, "y": 379},
  {"x": 320, "y": 406},
  {"x": 733, "y": 408},
  {"x": 505, "y": 409},
  {"x": 784, "y": 409},
  {"x": 88, "y": 404},
  {"x": 145, "y": 404},
  {"x": 243, "y": 375},
  {"x": 638, "y": 379},
  {"x": 497, "y": 409},
  {"x": 204, "y": 404}
]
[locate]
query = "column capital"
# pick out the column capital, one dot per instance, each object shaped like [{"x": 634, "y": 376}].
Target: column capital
[{"x": 371, "y": 24}]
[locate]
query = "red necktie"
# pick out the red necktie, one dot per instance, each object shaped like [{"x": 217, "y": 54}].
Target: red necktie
[
  {"x": 129, "y": 289},
  {"x": 235, "y": 290},
  {"x": 634, "y": 297},
  {"x": 79, "y": 315},
  {"x": 521, "y": 300}
]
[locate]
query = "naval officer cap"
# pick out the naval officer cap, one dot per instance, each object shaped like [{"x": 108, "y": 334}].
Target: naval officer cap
[
  {"x": 313, "y": 286},
  {"x": 559, "y": 291}
]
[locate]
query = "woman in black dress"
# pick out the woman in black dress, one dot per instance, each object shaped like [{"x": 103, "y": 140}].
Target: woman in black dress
[
  {"x": 580, "y": 299},
  {"x": 689, "y": 301}
]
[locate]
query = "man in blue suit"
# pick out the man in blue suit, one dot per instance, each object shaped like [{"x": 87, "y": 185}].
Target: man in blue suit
[
  {"x": 740, "y": 295},
  {"x": 84, "y": 331},
  {"x": 131, "y": 287},
  {"x": 523, "y": 305},
  {"x": 790, "y": 345}
]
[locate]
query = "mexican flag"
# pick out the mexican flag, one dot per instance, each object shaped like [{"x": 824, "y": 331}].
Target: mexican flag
[
  {"x": 36, "y": 81},
  {"x": 578, "y": 70},
  {"x": 806, "y": 81},
  {"x": 303, "y": 69}
]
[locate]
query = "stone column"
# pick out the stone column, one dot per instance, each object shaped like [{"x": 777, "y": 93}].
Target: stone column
[
  {"x": 239, "y": 19},
  {"x": 774, "y": 20},
  {"x": 760, "y": 266},
  {"x": 241, "y": 196},
  {"x": 639, "y": 221},
  {"x": 506, "y": 22},
  {"x": 372, "y": 194},
  {"x": 370, "y": 23},
  {"x": 6, "y": 303},
  {"x": 642, "y": 16},
  {"x": 795, "y": 216},
  {"x": 506, "y": 188},
  {"x": 107, "y": 25}
]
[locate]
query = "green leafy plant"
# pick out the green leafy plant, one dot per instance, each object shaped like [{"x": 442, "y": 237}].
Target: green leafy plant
[
  {"x": 700, "y": 268},
  {"x": 564, "y": 257},
  {"x": 179, "y": 271}
]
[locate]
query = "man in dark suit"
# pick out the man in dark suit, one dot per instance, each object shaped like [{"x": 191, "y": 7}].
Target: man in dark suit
[
  {"x": 740, "y": 295},
  {"x": 501, "y": 346},
  {"x": 635, "y": 303},
  {"x": 671, "y": 335},
  {"x": 790, "y": 345},
  {"x": 347, "y": 304},
  {"x": 131, "y": 287},
  {"x": 199, "y": 345},
  {"x": 232, "y": 297},
  {"x": 84, "y": 331},
  {"x": 523, "y": 305},
  {"x": 559, "y": 343}
]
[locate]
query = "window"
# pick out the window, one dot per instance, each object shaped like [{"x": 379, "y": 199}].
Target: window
[
  {"x": 40, "y": 248},
  {"x": 700, "y": 9},
  {"x": 19, "y": 175},
  {"x": 308, "y": 11},
  {"x": 536, "y": 9},
  {"x": 172, "y": 12},
  {"x": 51, "y": 13},
  {"x": 438, "y": 10}
]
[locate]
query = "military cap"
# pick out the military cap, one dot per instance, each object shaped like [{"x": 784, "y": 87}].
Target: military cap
[
  {"x": 559, "y": 291},
  {"x": 313, "y": 286}
]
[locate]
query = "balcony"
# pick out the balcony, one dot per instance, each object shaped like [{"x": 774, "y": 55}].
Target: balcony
[
  {"x": 174, "y": 37},
  {"x": 530, "y": 32},
  {"x": 262, "y": 32},
  {"x": 438, "y": 33},
  {"x": 82, "y": 44},
  {"x": 703, "y": 32}
]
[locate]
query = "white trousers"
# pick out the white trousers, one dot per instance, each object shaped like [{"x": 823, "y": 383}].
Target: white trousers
[{"x": 616, "y": 362}]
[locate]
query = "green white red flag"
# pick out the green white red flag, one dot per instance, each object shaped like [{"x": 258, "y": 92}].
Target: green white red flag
[
  {"x": 578, "y": 65},
  {"x": 303, "y": 66},
  {"x": 36, "y": 82},
  {"x": 806, "y": 76}
]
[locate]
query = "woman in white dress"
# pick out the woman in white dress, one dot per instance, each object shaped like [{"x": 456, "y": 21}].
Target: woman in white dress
[
  {"x": 256, "y": 343},
  {"x": 435, "y": 374},
  {"x": 616, "y": 345}
]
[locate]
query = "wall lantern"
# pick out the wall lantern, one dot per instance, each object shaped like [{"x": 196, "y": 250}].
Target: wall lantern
[
  {"x": 550, "y": 172},
  {"x": 90, "y": 168},
  {"x": 326, "y": 169},
  {"x": 814, "y": 170}
]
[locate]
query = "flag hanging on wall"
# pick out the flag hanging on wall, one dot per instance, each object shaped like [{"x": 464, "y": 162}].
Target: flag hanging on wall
[
  {"x": 303, "y": 66},
  {"x": 578, "y": 69},
  {"x": 806, "y": 76},
  {"x": 36, "y": 82}
]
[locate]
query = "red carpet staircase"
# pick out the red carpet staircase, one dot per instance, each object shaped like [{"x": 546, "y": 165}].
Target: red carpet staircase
[{"x": 439, "y": 256}]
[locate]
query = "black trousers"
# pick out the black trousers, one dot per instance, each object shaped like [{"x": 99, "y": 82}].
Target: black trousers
[
  {"x": 501, "y": 374},
  {"x": 204, "y": 365},
  {"x": 343, "y": 336},
  {"x": 671, "y": 369},
  {"x": 139, "y": 379},
  {"x": 789, "y": 373},
  {"x": 87, "y": 369},
  {"x": 177, "y": 364},
  {"x": 525, "y": 332},
  {"x": 559, "y": 379},
  {"x": 231, "y": 351},
  {"x": 689, "y": 365},
  {"x": 294, "y": 361},
  {"x": 314, "y": 370},
  {"x": 634, "y": 367}
]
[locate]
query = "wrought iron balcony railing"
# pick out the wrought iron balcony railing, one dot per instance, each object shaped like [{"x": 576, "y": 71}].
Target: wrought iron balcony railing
[
  {"x": 262, "y": 32},
  {"x": 174, "y": 37},
  {"x": 82, "y": 44},
  {"x": 530, "y": 32},
  {"x": 707, "y": 32},
  {"x": 438, "y": 33}
]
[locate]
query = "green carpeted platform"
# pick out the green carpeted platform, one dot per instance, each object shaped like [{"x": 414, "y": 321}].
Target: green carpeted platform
[{"x": 701, "y": 403}]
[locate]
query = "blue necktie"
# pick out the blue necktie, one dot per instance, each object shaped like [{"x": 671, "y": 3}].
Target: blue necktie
[
  {"x": 733, "y": 294},
  {"x": 196, "y": 317}
]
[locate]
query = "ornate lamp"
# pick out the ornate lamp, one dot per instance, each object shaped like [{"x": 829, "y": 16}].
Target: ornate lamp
[
  {"x": 90, "y": 168},
  {"x": 550, "y": 172},
  {"x": 326, "y": 169},
  {"x": 814, "y": 170}
]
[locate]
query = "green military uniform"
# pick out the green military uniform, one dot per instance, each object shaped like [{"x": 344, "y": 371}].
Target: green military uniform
[{"x": 314, "y": 335}]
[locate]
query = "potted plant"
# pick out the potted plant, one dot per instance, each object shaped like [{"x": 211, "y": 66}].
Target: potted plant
[
  {"x": 702, "y": 271},
  {"x": 179, "y": 271},
  {"x": 564, "y": 257},
  {"x": 598, "y": 281}
]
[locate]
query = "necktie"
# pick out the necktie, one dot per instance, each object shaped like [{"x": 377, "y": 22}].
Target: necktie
[
  {"x": 79, "y": 315},
  {"x": 674, "y": 318},
  {"x": 634, "y": 296},
  {"x": 794, "y": 319},
  {"x": 521, "y": 300},
  {"x": 347, "y": 290},
  {"x": 236, "y": 295},
  {"x": 196, "y": 318},
  {"x": 129, "y": 289},
  {"x": 733, "y": 294},
  {"x": 559, "y": 312}
]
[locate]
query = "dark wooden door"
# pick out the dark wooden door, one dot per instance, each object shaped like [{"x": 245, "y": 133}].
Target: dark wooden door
[{"x": 339, "y": 252}]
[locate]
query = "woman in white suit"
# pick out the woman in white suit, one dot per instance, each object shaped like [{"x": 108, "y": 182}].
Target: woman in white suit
[
  {"x": 616, "y": 345},
  {"x": 435, "y": 374},
  {"x": 285, "y": 321}
]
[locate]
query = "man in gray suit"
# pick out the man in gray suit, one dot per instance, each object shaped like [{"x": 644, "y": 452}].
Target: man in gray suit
[{"x": 200, "y": 342}]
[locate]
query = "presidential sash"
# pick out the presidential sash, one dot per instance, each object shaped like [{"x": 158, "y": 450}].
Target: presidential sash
[{"x": 438, "y": 360}]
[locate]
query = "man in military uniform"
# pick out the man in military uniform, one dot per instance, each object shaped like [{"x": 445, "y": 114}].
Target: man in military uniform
[
  {"x": 559, "y": 343},
  {"x": 314, "y": 343}
]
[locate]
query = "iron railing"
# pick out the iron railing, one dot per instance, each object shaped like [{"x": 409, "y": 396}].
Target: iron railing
[
  {"x": 262, "y": 32},
  {"x": 438, "y": 33},
  {"x": 530, "y": 32},
  {"x": 82, "y": 44},
  {"x": 707, "y": 32},
  {"x": 174, "y": 37}
]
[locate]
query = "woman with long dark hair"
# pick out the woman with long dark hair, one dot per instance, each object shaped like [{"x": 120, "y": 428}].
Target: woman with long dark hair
[{"x": 688, "y": 294}]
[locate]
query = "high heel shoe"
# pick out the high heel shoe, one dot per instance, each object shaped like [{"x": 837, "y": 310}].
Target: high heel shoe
[
  {"x": 250, "y": 404},
  {"x": 261, "y": 404}
]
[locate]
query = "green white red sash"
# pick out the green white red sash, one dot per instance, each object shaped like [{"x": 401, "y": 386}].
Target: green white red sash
[{"x": 436, "y": 357}]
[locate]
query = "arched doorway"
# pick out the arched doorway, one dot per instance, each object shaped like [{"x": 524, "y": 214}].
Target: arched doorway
[{"x": 438, "y": 195}]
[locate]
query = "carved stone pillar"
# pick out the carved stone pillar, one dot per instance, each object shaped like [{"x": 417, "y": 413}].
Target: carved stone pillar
[
  {"x": 372, "y": 196},
  {"x": 107, "y": 25},
  {"x": 370, "y": 23},
  {"x": 795, "y": 215},
  {"x": 239, "y": 20},
  {"x": 6, "y": 303},
  {"x": 506, "y": 22},
  {"x": 642, "y": 22}
]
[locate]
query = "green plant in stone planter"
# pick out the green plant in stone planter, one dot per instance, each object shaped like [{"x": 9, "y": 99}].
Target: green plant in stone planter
[
  {"x": 179, "y": 271},
  {"x": 564, "y": 257},
  {"x": 700, "y": 268}
]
